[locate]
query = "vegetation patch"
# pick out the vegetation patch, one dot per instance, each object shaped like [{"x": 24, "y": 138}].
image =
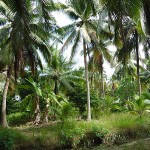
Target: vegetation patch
[
  {"x": 83, "y": 134},
  {"x": 10, "y": 139}
]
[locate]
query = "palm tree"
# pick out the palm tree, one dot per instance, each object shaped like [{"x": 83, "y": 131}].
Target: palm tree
[
  {"x": 23, "y": 36},
  {"x": 60, "y": 71},
  {"x": 126, "y": 65},
  {"x": 119, "y": 13},
  {"x": 123, "y": 55},
  {"x": 79, "y": 31},
  {"x": 98, "y": 53}
]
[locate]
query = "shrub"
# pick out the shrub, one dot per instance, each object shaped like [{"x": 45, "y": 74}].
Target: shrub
[
  {"x": 71, "y": 137},
  {"x": 67, "y": 112},
  {"x": 18, "y": 118}
]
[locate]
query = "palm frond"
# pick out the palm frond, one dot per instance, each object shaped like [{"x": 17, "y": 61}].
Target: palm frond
[
  {"x": 85, "y": 33},
  {"x": 75, "y": 45},
  {"x": 69, "y": 39}
]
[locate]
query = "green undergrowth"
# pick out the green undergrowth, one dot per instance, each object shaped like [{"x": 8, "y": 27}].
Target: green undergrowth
[
  {"x": 109, "y": 130},
  {"x": 18, "y": 118},
  {"x": 10, "y": 138}
]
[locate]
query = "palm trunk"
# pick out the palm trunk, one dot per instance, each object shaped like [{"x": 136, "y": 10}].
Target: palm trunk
[
  {"x": 56, "y": 91},
  {"x": 137, "y": 60},
  {"x": 4, "y": 117},
  {"x": 87, "y": 83},
  {"x": 37, "y": 111}
]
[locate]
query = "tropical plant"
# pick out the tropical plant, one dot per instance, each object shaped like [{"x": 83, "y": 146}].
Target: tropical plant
[
  {"x": 98, "y": 55},
  {"x": 126, "y": 90},
  {"x": 41, "y": 100},
  {"x": 61, "y": 72},
  {"x": 79, "y": 31},
  {"x": 141, "y": 104}
]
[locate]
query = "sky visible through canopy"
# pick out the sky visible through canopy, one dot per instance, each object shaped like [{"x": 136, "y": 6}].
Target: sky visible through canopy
[{"x": 63, "y": 20}]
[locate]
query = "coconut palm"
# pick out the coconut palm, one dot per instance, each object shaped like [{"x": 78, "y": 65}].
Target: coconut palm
[
  {"x": 23, "y": 35},
  {"x": 79, "y": 32},
  {"x": 60, "y": 72},
  {"x": 118, "y": 12},
  {"x": 99, "y": 54},
  {"x": 123, "y": 56}
]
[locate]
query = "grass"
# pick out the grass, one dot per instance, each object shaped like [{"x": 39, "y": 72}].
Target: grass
[{"x": 112, "y": 129}]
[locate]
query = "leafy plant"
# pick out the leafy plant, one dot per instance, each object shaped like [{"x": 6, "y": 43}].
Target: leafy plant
[
  {"x": 126, "y": 90},
  {"x": 72, "y": 137},
  {"x": 141, "y": 104},
  {"x": 67, "y": 112},
  {"x": 18, "y": 118}
]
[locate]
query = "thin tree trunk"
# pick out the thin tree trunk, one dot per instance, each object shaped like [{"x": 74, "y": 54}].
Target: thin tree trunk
[
  {"x": 56, "y": 87},
  {"x": 37, "y": 111},
  {"x": 146, "y": 51},
  {"x": 113, "y": 89},
  {"x": 5, "y": 91},
  {"x": 103, "y": 86},
  {"x": 87, "y": 83},
  {"x": 137, "y": 60},
  {"x": 56, "y": 91}
]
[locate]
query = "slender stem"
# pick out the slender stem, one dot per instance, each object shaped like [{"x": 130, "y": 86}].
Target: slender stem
[
  {"x": 137, "y": 60},
  {"x": 4, "y": 104},
  {"x": 87, "y": 83},
  {"x": 56, "y": 87}
]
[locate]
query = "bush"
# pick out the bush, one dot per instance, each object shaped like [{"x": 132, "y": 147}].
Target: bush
[
  {"x": 71, "y": 137},
  {"x": 68, "y": 112},
  {"x": 18, "y": 118}
]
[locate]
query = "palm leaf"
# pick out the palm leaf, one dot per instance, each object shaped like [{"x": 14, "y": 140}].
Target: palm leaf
[{"x": 75, "y": 45}]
